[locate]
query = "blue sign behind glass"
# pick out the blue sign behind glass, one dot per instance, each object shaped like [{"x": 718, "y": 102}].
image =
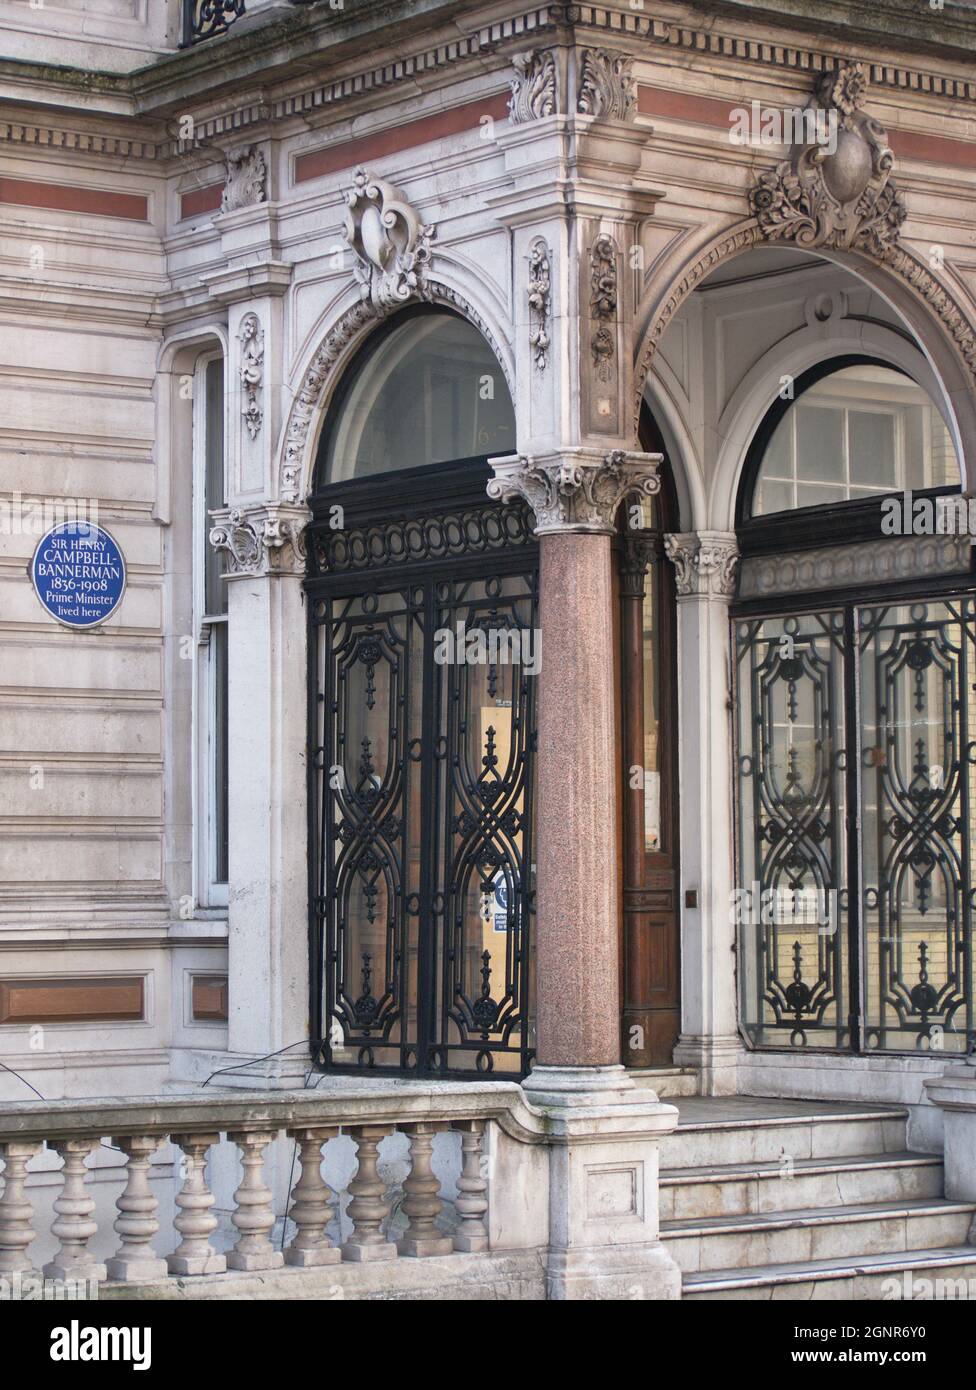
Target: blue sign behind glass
[{"x": 78, "y": 573}]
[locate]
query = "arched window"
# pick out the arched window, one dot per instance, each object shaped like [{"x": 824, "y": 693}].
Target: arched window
[
  {"x": 428, "y": 390},
  {"x": 854, "y": 641},
  {"x": 849, "y": 430}
]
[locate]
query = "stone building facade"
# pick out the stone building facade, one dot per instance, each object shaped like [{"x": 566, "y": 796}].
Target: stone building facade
[{"x": 362, "y": 324}]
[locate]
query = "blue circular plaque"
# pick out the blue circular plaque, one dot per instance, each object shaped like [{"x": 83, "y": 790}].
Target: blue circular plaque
[{"x": 78, "y": 573}]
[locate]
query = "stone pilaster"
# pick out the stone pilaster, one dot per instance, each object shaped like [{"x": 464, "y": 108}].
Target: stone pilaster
[
  {"x": 267, "y": 910},
  {"x": 706, "y": 564}
]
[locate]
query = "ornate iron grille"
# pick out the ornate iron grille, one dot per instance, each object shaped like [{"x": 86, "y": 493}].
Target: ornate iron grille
[
  {"x": 421, "y": 793},
  {"x": 205, "y": 19},
  {"x": 872, "y": 709}
]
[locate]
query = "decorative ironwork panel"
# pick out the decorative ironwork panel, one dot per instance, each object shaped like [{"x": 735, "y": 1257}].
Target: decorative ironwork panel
[
  {"x": 205, "y": 19},
  {"x": 918, "y": 747},
  {"x": 469, "y": 531},
  {"x": 423, "y": 700},
  {"x": 792, "y": 901}
]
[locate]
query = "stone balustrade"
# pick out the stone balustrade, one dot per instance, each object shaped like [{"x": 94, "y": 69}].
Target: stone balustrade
[{"x": 182, "y": 1259}]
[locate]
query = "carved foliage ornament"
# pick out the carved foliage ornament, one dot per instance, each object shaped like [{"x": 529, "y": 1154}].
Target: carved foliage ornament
[
  {"x": 391, "y": 244},
  {"x": 540, "y": 306},
  {"x": 705, "y": 562},
  {"x": 262, "y": 540},
  {"x": 246, "y": 182},
  {"x": 603, "y": 305},
  {"x": 533, "y": 86},
  {"x": 606, "y": 86},
  {"x": 576, "y": 489},
  {"x": 844, "y": 199},
  {"x": 251, "y": 339}
]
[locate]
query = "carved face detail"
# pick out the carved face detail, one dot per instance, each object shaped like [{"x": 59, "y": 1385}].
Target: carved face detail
[{"x": 847, "y": 172}]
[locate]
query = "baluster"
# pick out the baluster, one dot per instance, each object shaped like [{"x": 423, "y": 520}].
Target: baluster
[
  {"x": 74, "y": 1225},
  {"x": 16, "y": 1211},
  {"x": 253, "y": 1214},
  {"x": 368, "y": 1208},
  {"x": 422, "y": 1203},
  {"x": 195, "y": 1223},
  {"x": 313, "y": 1202},
  {"x": 472, "y": 1201},
  {"x": 136, "y": 1260}
]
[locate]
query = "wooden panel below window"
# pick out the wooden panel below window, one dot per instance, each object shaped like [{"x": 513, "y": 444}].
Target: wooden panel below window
[
  {"x": 92, "y": 1000},
  {"x": 208, "y": 997}
]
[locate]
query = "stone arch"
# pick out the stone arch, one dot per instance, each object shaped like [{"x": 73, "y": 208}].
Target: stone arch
[
  {"x": 321, "y": 375},
  {"x": 939, "y": 320}
]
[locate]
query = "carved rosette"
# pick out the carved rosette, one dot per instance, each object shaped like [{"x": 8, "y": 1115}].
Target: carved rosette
[
  {"x": 606, "y": 87},
  {"x": 246, "y": 180},
  {"x": 540, "y": 301},
  {"x": 269, "y": 539},
  {"x": 390, "y": 243},
  {"x": 533, "y": 86},
  {"x": 251, "y": 339},
  {"x": 844, "y": 199},
  {"x": 705, "y": 562},
  {"x": 576, "y": 489},
  {"x": 603, "y": 306}
]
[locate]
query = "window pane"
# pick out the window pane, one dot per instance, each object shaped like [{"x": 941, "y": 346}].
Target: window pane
[
  {"x": 819, "y": 444},
  {"x": 775, "y": 497},
  {"x": 431, "y": 391},
  {"x": 652, "y": 718},
  {"x": 215, "y": 597},
  {"x": 872, "y": 438}
]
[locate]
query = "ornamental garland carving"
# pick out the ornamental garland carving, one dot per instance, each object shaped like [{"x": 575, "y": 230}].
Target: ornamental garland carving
[
  {"x": 251, "y": 339},
  {"x": 575, "y": 489},
  {"x": 533, "y": 86},
  {"x": 246, "y": 179},
  {"x": 603, "y": 305},
  {"x": 390, "y": 243},
  {"x": 845, "y": 199},
  {"x": 261, "y": 540},
  {"x": 540, "y": 305},
  {"x": 705, "y": 562},
  {"x": 606, "y": 86}
]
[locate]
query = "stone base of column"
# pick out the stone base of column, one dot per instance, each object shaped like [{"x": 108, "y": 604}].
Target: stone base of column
[
  {"x": 77, "y": 1270},
  {"x": 716, "y": 1059},
  {"x": 285, "y": 1073},
  {"x": 955, "y": 1094},
  {"x": 145, "y": 1270},
  {"x": 603, "y": 1139},
  {"x": 313, "y": 1258},
  {"x": 196, "y": 1264},
  {"x": 366, "y": 1254}
]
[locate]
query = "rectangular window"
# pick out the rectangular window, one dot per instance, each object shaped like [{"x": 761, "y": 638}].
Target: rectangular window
[{"x": 212, "y": 638}]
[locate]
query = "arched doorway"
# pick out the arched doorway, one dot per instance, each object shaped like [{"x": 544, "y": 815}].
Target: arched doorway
[{"x": 423, "y": 645}]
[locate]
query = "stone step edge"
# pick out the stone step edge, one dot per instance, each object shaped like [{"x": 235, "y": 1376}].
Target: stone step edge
[
  {"x": 775, "y": 1121},
  {"x": 814, "y": 1216},
  {"x": 888, "y": 1262},
  {"x": 808, "y": 1167}
]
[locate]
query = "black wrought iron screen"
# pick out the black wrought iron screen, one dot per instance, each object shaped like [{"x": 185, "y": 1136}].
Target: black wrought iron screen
[
  {"x": 424, "y": 642},
  {"x": 205, "y": 19},
  {"x": 855, "y": 825}
]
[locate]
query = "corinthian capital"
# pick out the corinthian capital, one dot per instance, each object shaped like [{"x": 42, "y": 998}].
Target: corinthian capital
[
  {"x": 575, "y": 489},
  {"x": 705, "y": 562},
  {"x": 268, "y": 539}
]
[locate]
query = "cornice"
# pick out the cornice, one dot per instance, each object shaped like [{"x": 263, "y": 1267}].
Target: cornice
[{"x": 150, "y": 91}]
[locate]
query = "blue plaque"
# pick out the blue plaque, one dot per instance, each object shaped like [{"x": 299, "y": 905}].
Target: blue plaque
[{"x": 78, "y": 573}]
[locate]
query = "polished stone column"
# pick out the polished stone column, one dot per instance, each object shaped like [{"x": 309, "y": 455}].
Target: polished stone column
[{"x": 706, "y": 563}]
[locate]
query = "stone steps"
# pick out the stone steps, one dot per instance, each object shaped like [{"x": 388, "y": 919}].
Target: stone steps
[
  {"x": 749, "y": 1189},
  {"x": 764, "y": 1199},
  {"x": 943, "y": 1274}
]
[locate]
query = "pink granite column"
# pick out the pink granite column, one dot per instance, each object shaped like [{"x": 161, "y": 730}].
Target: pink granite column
[{"x": 575, "y": 495}]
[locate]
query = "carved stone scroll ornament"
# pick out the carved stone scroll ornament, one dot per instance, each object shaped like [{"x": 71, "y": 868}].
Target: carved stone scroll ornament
[
  {"x": 261, "y": 540},
  {"x": 246, "y": 180},
  {"x": 575, "y": 489},
  {"x": 844, "y": 199},
  {"x": 540, "y": 305},
  {"x": 533, "y": 86},
  {"x": 705, "y": 562},
  {"x": 251, "y": 339},
  {"x": 603, "y": 305},
  {"x": 606, "y": 86},
  {"x": 391, "y": 244}
]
